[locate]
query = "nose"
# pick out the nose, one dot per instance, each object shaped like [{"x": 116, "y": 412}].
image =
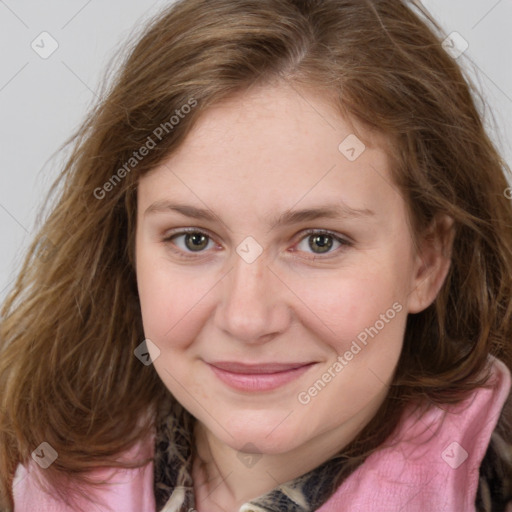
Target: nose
[{"x": 252, "y": 307}]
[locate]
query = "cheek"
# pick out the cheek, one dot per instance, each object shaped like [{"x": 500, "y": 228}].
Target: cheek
[
  {"x": 170, "y": 301},
  {"x": 346, "y": 304}
]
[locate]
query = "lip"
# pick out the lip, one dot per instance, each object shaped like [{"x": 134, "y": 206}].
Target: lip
[{"x": 258, "y": 377}]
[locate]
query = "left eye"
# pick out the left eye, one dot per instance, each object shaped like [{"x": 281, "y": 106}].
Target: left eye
[{"x": 321, "y": 240}]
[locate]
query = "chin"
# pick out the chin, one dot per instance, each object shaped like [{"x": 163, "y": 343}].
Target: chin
[
  {"x": 266, "y": 445},
  {"x": 260, "y": 436}
]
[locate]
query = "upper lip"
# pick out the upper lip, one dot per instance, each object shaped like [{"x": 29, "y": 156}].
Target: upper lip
[{"x": 235, "y": 367}]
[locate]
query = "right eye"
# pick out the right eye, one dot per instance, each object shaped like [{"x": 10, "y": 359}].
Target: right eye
[{"x": 188, "y": 242}]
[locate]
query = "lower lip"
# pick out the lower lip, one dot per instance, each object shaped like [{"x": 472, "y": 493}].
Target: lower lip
[{"x": 259, "y": 381}]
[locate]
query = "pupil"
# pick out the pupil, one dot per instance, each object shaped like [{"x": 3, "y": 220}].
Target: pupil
[
  {"x": 199, "y": 241},
  {"x": 322, "y": 241}
]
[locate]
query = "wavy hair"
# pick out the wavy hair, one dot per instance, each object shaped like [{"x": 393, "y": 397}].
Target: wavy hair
[{"x": 71, "y": 322}]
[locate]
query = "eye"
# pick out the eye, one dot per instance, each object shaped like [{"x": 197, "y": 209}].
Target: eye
[
  {"x": 190, "y": 241},
  {"x": 187, "y": 242},
  {"x": 321, "y": 242}
]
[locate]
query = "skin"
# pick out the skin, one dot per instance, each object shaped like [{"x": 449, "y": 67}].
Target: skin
[{"x": 248, "y": 160}]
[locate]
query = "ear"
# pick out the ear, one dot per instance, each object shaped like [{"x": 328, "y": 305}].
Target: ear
[{"x": 432, "y": 262}]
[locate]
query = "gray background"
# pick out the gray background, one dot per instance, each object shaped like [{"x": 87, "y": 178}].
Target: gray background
[{"x": 42, "y": 101}]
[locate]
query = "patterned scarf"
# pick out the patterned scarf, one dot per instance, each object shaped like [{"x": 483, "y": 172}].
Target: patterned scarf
[{"x": 174, "y": 454}]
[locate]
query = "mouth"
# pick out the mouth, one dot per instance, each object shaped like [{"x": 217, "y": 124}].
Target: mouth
[{"x": 258, "y": 377}]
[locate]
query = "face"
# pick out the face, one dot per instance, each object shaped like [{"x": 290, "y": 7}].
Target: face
[{"x": 275, "y": 270}]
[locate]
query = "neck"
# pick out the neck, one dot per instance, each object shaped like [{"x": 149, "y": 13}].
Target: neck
[{"x": 226, "y": 478}]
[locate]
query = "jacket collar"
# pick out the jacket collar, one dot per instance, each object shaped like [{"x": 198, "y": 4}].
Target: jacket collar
[{"x": 440, "y": 448}]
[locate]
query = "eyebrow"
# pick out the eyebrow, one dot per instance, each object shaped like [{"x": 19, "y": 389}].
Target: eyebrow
[{"x": 289, "y": 217}]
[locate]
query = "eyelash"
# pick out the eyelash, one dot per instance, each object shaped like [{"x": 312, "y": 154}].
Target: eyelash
[{"x": 344, "y": 243}]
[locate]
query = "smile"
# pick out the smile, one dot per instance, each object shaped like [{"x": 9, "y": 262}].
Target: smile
[{"x": 260, "y": 377}]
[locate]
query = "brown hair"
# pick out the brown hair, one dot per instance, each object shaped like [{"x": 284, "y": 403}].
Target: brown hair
[{"x": 69, "y": 328}]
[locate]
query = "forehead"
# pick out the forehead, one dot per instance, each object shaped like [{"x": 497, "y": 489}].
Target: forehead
[
  {"x": 278, "y": 114},
  {"x": 273, "y": 147}
]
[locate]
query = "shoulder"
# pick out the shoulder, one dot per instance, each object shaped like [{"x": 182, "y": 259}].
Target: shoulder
[
  {"x": 441, "y": 457},
  {"x": 127, "y": 489},
  {"x": 495, "y": 475}
]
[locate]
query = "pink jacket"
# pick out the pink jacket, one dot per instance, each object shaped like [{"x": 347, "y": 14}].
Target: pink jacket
[{"x": 425, "y": 470}]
